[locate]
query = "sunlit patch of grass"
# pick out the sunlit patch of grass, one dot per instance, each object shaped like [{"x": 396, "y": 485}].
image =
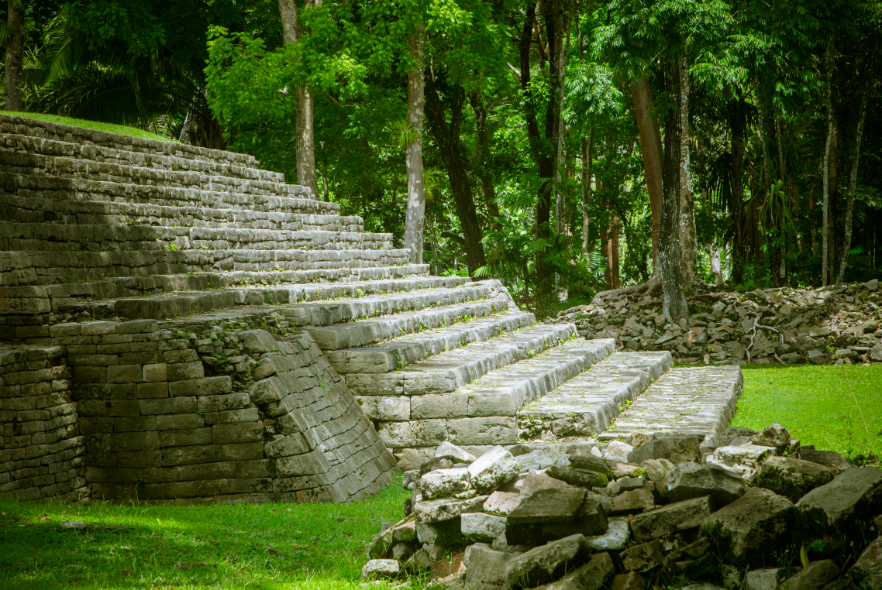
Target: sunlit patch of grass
[
  {"x": 259, "y": 546},
  {"x": 834, "y": 408},
  {"x": 96, "y": 125}
]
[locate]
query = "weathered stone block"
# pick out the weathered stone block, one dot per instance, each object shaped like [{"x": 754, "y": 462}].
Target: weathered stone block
[
  {"x": 179, "y": 421},
  {"x": 183, "y": 371},
  {"x": 237, "y": 432},
  {"x": 202, "y": 387},
  {"x": 172, "y": 405},
  {"x": 124, "y": 374},
  {"x": 223, "y": 403},
  {"x": 231, "y": 416},
  {"x": 153, "y": 390},
  {"x": 156, "y": 372}
]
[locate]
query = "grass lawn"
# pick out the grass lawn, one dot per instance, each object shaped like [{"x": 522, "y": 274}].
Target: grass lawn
[
  {"x": 108, "y": 127},
  {"x": 272, "y": 546},
  {"x": 821, "y": 406}
]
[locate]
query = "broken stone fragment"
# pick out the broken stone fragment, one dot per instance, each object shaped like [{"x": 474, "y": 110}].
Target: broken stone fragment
[
  {"x": 380, "y": 568},
  {"x": 751, "y": 525},
  {"x": 656, "y": 469},
  {"x": 867, "y": 570},
  {"x": 448, "y": 450},
  {"x": 669, "y": 519},
  {"x": 433, "y": 511},
  {"x": 675, "y": 447},
  {"x": 854, "y": 493},
  {"x": 486, "y": 567},
  {"x": 436, "y": 463},
  {"x": 546, "y": 563},
  {"x": 830, "y": 459},
  {"x": 492, "y": 469},
  {"x": 774, "y": 435},
  {"x": 691, "y": 480},
  {"x": 629, "y": 581},
  {"x": 502, "y": 503},
  {"x": 617, "y": 451},
  {"x": 764, "y": 579},
  {"x": 614, "y": 539},
  {"x": 444, "y": 483},
  {"x": 534, "y": 482},
  {"x": 632, "y": 501},
  {"x": 743, "y": 460},
  {"x": 792, "y": 478}
]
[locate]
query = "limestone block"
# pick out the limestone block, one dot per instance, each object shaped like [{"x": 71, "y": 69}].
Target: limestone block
[
  {"x": 483, "y": 431},
  {"x": 416, "y": 433},
  {"x": 752, "y": 524},
  {"x": 293, "y": 444},
  {"x": 231, "y": 416},
  {"x": 546, "y": 563},
  {"x": 670, "y": 519},
  {"x": 691, "y": 480},
  {"x": 155, "y": 372},
  {"x": 444, "y": 483},
  {"x": 237, "y": 432},
  {"x": 183, "y": 371},
  {"x": 222, "y": 403},
  {"x": 387, "y": 409},
  {"x": 179, "y": 421},
  {"x": 444, "y": 405},
  {"x": 481, "y": 527},
  {"x": 485, "y": 567},
  {"x": 179, "y": 438},
  {"x": 310, "y": 463},
  {"x": 172, "y": 405},
  {"x": 838, "y": 504}
]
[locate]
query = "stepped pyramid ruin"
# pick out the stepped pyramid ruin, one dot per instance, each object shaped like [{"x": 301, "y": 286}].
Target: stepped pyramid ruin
[{"x": 182, "y": 326}]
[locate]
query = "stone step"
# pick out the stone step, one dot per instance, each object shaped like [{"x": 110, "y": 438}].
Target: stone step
[
  {"x": 156, "y": 160},
  {"x": 693, "y": 400},
  {"x": 67, "y": 189},
  {"x": 447, "y": 371},
  {"x": 104, "y": 238},
  {"x": 588, "y": 404},
  {"x": 53, "y": 268},
  {"x": 14, "y": 163},
  {"x": 14, "y": 125},
  {"x": 469, "y": 324},
  {"x": 483, "y": 412},
  {"x": 361, "y": 307},
  {"x": 49, "y": 211},
  {"x": 37, "y": 300}
]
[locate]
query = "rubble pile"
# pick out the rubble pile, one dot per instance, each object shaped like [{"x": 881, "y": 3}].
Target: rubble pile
[
  {"x": 832, "y": 325},
  {"x": 757, "y": 512}
]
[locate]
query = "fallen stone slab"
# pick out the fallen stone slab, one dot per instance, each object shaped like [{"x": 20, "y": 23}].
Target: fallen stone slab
[
  {"x": 502, "y": 503},
  {"x": 545, "y": 563},
  {"x": 553, "y": 514},
  {"x": 742, "y": 460},
  {"x": 830, "y": 459},
  {"x": 692, "y": 480},
  {"x": 432, "y": 511},
  {"x": 855, "y": 493},
  {"x": 678, "y": 516},
  {"x": 486, "y": 567},
  {"x": 629, "y": 581},
  {"x": 632, "y": 501},
  {"x": 492, "y": 469},
  {"x": 448, "y": 450},
  {"x": 751, "y": 525},
  {"x": 594, "y": 575},
  {"x": 792, "y": 478}
]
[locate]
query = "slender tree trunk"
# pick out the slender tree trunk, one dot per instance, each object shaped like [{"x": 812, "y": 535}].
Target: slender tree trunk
[
  {"x": 587, "y": 157},
  {"x": 852, "y": 184},
  {"x": 558, "y": 67},
  {"x": 14, "y": 55},
  {"x": 488, "y": 189},
  {"x": 674, "y": 307},
  {"x": 688, "y": 240},
  {"x": 304, "y": 133},
  {"x": 604, "y": 247},
  {"x": 828, "y": 103},
  {"x": 614, "y": 251},
  {"x": 416, "y": 190},
  {"x": 541, "y": 154},
  {"x": 447, "y": 139},
  {"x": 736, "y": 207},
  {"x": 650, "y": 146}
]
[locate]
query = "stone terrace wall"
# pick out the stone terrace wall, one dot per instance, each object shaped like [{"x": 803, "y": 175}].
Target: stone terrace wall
[
  {"x": 41, "y": 449},
  {"x": 187, "y": 411}
]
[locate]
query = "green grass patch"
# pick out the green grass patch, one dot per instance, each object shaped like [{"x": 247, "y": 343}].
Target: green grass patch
[
  {"x": 255, "y": 546},
  {"x": 834, "y": 408},
  {"x": 97, "y": 126}
]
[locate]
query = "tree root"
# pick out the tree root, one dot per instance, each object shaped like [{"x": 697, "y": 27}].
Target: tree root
[
  {"x": 653, "y": 283},
  {"x": 753, "y": 329}
]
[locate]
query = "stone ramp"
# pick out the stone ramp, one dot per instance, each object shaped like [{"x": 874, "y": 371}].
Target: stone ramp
[
  {"x": 587, "y": 405},
  {"x": 695, "y": 400}
]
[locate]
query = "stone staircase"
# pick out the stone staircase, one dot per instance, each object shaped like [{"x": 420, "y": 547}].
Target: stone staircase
[{"x": 188, "y": 327}]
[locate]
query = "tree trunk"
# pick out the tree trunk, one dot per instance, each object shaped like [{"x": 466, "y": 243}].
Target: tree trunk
[
  {"x": 604, "y": 249},
  {"x": 828, "y": 103},
  {"x": 541, "y": 154},
  {"x": 304, "y": 135},
  {"x": 587, "y": 157},
  {"x": 736, "y": 207},
  {"x": 852, "y": 178},
  {"x": 447, "y": 139},
  {"x": 488, "y": 189},
  {"x": 650, "y": 146},
  {"x": 14, "y": 55},
  {"x": 416, "y": 190},
  {"x": 688, "y": 240},
  {"x": 674, "y": 307},
  {"x": 614, "y": 251}
]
